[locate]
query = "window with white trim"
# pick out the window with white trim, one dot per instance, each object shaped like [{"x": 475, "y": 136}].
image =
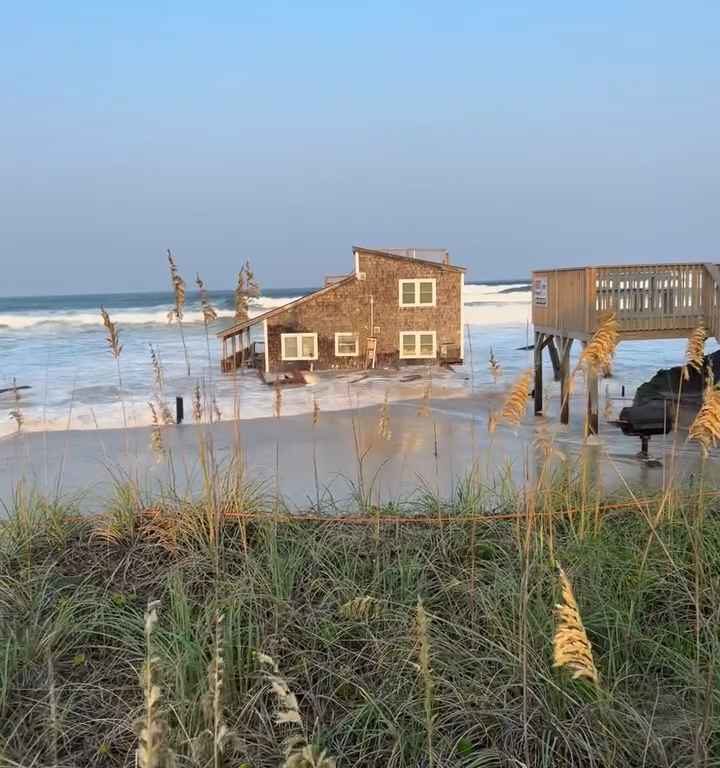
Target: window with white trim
[
  {"x": 418, "y": 344},
  {"x": 418, "y": 293},
  {"x": 346, "y": 344},
  {"x": 299, "y": 346}
]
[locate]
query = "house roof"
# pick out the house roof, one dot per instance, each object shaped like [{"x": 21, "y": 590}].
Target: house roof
[
  {"x": 241, "y": 326},
  {"x": 391, "y": 254}
]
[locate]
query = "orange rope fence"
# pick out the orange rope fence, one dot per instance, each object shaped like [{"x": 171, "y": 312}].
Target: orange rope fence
[{"x": 435, "y": 520}]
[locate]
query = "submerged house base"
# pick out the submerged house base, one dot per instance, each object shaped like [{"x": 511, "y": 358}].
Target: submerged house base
[{"x": 395, "y": 308}]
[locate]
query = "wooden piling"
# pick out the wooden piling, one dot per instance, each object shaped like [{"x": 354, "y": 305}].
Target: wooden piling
[
  {"x": 554, "y": 357},
  {"x": 565, "y": 347},
  {"x": 539, "y": 343},
  {"x": 591, "y": 379}
]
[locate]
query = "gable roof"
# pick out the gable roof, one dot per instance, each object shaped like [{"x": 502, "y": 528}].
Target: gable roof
[
  {"x": 391, "y": 254},
  {"x": 241, "y": 326}
]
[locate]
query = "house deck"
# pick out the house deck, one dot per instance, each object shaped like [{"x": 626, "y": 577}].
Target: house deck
[{"x": 649, "y": 301}]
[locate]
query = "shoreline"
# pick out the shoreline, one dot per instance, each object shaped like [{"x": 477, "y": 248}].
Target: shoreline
[{"x": 433, "y": 453}]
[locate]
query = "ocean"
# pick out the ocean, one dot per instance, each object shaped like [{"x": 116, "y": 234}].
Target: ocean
[{"x": 56, "y": 346}]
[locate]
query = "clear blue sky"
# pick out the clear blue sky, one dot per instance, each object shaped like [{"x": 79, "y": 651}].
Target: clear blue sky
[{"x": 517, "y": 134}]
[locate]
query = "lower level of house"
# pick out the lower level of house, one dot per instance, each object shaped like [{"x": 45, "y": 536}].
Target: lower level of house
[{"x": 292, "y": 349}]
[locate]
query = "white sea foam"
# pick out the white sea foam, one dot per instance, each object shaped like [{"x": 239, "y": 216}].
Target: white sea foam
[
  {"x": 74, "y": 382},
  {"x": 129, "y": 316}
]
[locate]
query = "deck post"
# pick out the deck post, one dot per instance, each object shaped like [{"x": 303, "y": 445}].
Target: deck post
[
  {"x": 539, "y": 343},
  {"x": 591, "y": 380},
  {"x": 554, "y": 357},
  {"x": 565, "y": 347}
]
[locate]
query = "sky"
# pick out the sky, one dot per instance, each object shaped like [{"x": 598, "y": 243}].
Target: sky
[{"x": 518, "y": 135}]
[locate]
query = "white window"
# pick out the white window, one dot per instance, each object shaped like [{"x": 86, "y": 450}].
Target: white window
[
  {"x": 417, "y": 344},
  {"x": 418, "y": 293},
  {"x": 346, "y": 345},
  {"x": 299, "y": 346}
]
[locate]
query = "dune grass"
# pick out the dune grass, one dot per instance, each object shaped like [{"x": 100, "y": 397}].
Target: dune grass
[{"x": 400, "y": 645}]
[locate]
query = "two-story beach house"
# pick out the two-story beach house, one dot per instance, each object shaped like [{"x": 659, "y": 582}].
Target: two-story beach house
[{"x": 397, "y": 306}]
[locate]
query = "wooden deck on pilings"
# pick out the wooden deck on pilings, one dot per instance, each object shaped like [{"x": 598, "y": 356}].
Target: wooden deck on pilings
[{"x": 649, "y": 301}]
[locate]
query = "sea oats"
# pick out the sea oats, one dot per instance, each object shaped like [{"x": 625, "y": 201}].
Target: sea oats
[
  {"x": 156, "y": 441},
  {"x": 495, "y": 367},
  {"x": 17, "y": 415},
  {"x": 277, "y": 399},
  {"x": 424, "y": 409},
  {"x": 366, "y": 607},
  {"x": 152, "y": 750},
  {"x": 422, "y": 629},
  {"x": 571, "y": 646},
  {"x": 316, "y": 412},
  {"x": 545, "y": 443},
  {"x": 241, "y": 299},
  {"x": 178, "y": 285},
  {"x": 113, "y": 338},
  {"x": 600, "y": 350},
  {"x": 208, "y": 312},
  {"x": 705, "y": 428},
  {"x": 695, "y": 352},
  {"x": 214, "y": 703},
  {"x": 197, "y": 409},
  {"x": 383, "y": 425},
  {"x": 158, "y": 376},
  {"x": 516, "y": 402}
]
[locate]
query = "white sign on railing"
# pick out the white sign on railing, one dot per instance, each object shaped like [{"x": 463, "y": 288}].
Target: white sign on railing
[{"x": 540, "y": 291}]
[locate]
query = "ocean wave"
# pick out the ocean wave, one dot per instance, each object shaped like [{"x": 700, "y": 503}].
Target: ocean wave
[
  {"x": 132, "y": 316},
  {"x": 474, "y": 295}
]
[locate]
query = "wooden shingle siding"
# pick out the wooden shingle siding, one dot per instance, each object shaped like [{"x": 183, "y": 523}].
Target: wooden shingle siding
[{"x": 371, "y": 307}]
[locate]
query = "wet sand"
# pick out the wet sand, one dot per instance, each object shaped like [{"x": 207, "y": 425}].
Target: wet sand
[{"x": 433, "y": 452}]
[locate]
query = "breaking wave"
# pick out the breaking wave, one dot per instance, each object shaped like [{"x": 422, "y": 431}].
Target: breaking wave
[{"x": 132, "y": 316}]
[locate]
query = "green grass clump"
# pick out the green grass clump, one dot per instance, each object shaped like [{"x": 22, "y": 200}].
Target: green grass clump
[{"x": 401, "y": 645}]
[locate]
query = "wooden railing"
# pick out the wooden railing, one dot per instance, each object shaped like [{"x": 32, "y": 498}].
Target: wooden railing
[
  {"x": 252, "y": 356},
  {"x": 649, "y": 300}
]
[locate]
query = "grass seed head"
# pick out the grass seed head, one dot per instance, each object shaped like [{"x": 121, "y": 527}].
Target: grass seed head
[
  {"x": 17, "y": 415},
  {"x": 113, "y": 339},
  {"x": 208, "y": 311},
  {"x": 705, "y": 428},
  {"x": 695, "y": 351},
  {"x": 571, "y": 646},
  {"x": 178, "y": 285},
  {"x": 152, "y": 750},
  {"x": 494, "y": 366},
  {"x": 156, "y": 441},
  {"x": 158, "y": 376},
  {"x": 600, "y": 350},
  {"x": 366, "y": 607},
  {"x": 241, "y": 296},
  {"x": 197, "y": 409},
  {"x": 383, "y": 425},
  {"x": 316, "y": 412},
  {"x": 277, "y": 399},
  {"x": 516, "y": 402}
]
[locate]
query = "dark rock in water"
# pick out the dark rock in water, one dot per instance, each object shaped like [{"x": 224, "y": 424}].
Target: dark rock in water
[
  {"x": 665, "y": 384},
  {"x": 655, "y": 405}
]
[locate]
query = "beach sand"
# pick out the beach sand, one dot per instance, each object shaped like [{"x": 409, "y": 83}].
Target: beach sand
[{"x": 433, "y": 452}]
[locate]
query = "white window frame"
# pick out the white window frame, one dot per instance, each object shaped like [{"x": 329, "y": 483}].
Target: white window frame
[
  {"x": 299, "y": 337},
  {"x": 416, "y": 354},
  {"x": 338, "y": 353},
  {"x": 416, "y": 282}
]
